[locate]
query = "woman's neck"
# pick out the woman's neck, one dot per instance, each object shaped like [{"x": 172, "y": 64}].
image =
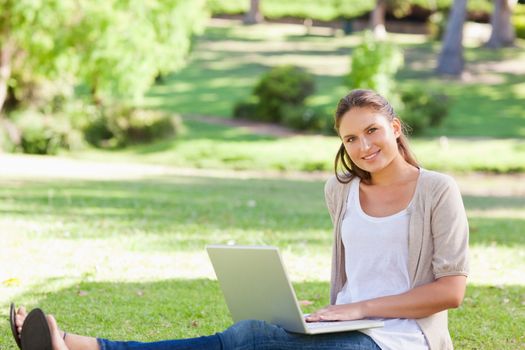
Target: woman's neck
[{"x": 399, "y": 170}]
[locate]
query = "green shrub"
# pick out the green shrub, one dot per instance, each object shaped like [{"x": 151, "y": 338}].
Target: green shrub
[
  {"x": 44, "y": 134},
  {"x": 374, "y": 64},
  {"x": 519, "y": 25},
  {"x": 97, "y": 131},
  {"x": 303, "y": 118},
  {"x": 120, "y": 126},
  {"x": 282, "y": 85},
  {"x": 436, "y": 25},
  {"x": 423, "y": 109},
  {"x": 246, "y": 109},
  {"x": 280, "y": 97}
]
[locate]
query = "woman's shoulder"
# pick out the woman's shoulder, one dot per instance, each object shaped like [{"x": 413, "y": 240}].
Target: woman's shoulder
[
  {"x": 435, "y": 182},
  {"x": 333, "y": 184},
  {"x": 435, "y": 178}
]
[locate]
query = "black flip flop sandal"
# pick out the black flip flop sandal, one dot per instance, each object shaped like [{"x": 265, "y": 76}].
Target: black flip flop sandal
[
  {"x": 35, "y": 332},
  {"x": 16, "y": 335}
]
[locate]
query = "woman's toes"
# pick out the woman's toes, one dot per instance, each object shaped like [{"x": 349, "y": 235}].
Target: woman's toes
[
  {"x": 56, "y": 337},
  {"x": 20, "y": 317}
]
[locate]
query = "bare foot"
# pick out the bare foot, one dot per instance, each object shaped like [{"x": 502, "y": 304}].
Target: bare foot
[
  {"x": 56, "y": 335},
  {"x": 20, "y": 317}
]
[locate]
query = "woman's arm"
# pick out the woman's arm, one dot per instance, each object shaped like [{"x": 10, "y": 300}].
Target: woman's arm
[{"x": 442, "y": 294}]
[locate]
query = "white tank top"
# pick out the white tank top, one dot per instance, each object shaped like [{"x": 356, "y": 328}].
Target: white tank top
[{"x": 376, "y": 263}]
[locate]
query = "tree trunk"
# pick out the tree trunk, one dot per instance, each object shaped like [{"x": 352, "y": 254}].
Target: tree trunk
[
  {"x": 6, "y": 55},
  {"x": 377, "y": 19},
  {"x": 451, "y": 60},
  {"x": 503, "y": 32},
  {"x": 254, "y": 14}
]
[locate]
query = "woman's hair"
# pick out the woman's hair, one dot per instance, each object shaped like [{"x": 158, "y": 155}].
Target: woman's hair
[{"x": 345, "y": 169}]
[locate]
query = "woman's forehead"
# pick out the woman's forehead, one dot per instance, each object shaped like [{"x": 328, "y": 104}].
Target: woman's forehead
[{"x": 358, "y": 117}]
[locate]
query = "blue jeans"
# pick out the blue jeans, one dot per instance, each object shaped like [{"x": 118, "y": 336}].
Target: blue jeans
[{"x": 248, "y": 335}]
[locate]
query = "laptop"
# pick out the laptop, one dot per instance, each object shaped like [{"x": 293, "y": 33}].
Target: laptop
[{"x": 256, "y": 287}]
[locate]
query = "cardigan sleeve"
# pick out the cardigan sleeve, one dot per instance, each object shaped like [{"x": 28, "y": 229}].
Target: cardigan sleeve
[
  {"x": 449, "y": 230},
  {"x": 329, "y": 189}
]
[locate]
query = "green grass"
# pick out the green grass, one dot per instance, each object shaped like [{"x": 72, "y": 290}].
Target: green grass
[{"x": 125, "y": 258}]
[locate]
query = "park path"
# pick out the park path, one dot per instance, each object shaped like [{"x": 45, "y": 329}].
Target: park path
[
  {"x": 253, "y": 127},
  {"x": 31, "y": 167}
]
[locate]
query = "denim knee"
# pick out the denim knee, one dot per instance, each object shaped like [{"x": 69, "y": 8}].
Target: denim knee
[
  {"x": 247, "y": 334},
  {"x": 246, "y": 326}
]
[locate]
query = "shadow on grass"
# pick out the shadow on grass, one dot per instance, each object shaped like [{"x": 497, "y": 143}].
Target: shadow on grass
[
  {"x": 183, "y": 212},
  {"x": 199, "y": 131},
  {"x": 494, "y": 202},
  {"x": 490, "y": 317},
  {"x": 478, "y": 109},
  {"x": 147, "y": 311},
  {"x": 200, "y": 89}
]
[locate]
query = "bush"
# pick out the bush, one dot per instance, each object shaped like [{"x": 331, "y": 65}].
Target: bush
[
  {"x": 437, "y": 23},
  {"x": 246, "y": 109},
  {"x": 519, "y": 25},
  {"x": 422, "y": 109},
  {"x": 374, "y": 64},
  {"x": 44, "y": 134},
  {"x": 281, "y": 86},
  {"x": 121, "y": 126},
  {"x": 280, "y": 97},
  {"x": 304, "y": 118}
]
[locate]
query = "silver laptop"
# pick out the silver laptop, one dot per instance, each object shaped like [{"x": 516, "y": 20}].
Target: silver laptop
[{"x": 256, "y": 287}]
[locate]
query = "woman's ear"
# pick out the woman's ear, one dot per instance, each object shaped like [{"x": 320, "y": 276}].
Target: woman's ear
[{"x": 396, "y": 125}]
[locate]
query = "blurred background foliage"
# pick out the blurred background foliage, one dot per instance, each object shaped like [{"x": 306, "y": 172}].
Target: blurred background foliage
[
  {"x": 327, "y": 10},
  {"x": 75, "y": 75}
]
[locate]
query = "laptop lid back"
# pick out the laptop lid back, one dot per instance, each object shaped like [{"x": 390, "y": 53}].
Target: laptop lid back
[{"x": 255, "y": 285}]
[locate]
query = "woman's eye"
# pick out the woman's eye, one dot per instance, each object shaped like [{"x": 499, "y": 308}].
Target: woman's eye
[
  {"x": 371, "y": 130},
  {"x": 350, "y": 139}
]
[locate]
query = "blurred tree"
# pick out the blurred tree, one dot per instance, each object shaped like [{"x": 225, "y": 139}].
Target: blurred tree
[
  {"x": 123, "y": 45},
  {"x": 114, "y": 47},
  {"x": 451, "y": 61},
  {"x": 399, "y": 8},
  {"x": 503, "y": 32},
  {"x": 29, "y": 47},
  {"x": 373, "y": 66},
  {"x": 254, "y": 13},
  {"x": 377, "y": 19}
]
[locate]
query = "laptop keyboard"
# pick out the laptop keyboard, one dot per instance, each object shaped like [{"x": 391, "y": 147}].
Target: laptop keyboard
[{"x": 314, "y": 325}]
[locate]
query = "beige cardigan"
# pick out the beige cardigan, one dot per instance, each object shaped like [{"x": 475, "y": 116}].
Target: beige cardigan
[{"x": 437, "y": 243}]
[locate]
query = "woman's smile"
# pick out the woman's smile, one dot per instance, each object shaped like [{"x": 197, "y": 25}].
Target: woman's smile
[{"x": 371, "y": 156}]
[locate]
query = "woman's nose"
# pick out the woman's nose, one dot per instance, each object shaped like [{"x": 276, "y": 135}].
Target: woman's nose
[{"x": 365, "y": 144}]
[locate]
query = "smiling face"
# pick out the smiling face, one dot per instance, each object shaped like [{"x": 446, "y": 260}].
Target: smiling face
[{"x": 370, "y": 138}]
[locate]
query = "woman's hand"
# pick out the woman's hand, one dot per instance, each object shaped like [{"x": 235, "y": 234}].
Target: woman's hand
[
  {"x": 425, "y": 300},
  {"x": 344, "y": 312}
]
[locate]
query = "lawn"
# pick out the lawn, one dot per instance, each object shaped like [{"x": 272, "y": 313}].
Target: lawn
[{"x": 123, "y": 257}]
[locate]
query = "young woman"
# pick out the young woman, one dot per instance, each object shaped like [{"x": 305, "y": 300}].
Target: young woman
[{"x": 399, "y": 253}]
